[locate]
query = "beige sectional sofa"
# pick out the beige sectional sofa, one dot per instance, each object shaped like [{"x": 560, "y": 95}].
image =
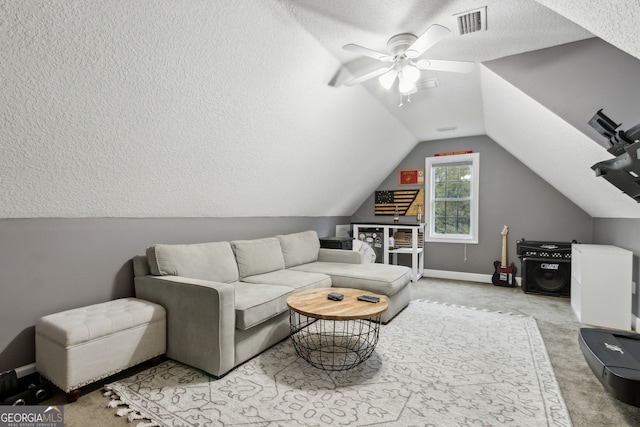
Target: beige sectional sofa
[{"x": 226, "y": 301}]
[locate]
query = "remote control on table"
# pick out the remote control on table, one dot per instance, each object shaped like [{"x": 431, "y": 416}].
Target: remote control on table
[
  {"x": 368, "y": 298},
  {"x": 334, "y": 296}
]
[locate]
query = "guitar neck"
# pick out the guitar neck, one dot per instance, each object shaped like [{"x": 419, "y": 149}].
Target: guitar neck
[{"x": 504, "y": 251}]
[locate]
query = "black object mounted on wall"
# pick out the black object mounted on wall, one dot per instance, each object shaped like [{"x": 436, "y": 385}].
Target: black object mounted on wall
[{"x": 624, "y": 170}]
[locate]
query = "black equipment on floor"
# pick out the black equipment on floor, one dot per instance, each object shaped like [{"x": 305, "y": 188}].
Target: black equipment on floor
[
  {"x": 28, "y": 390},
  {"x": 613, "y": 357},
  {"x": 546, "y": 267}
]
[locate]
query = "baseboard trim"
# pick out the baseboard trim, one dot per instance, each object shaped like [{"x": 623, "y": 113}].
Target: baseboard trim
[
  {"x": 459, "y": 275},
  {"x": 25, "y": 370}
]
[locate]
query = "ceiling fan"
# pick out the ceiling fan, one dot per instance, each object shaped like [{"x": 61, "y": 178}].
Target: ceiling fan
[{"x": 404, "y": 62}]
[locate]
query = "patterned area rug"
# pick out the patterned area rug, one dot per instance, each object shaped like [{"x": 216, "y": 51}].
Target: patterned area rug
[{"x": 435, "y": 365}]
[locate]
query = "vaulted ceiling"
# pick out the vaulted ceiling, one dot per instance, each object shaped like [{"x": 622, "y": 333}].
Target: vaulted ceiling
[
  {"x": 220, "y": 109},
  {"x": 508, "y": 28},
  {"x": 483, "y": 102}
]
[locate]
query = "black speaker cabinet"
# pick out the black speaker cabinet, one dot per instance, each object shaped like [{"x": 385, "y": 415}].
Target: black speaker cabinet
[{"x": 546, "y": 276}]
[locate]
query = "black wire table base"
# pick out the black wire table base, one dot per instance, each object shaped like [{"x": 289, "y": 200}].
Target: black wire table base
[{"x": 334, "y": 345}]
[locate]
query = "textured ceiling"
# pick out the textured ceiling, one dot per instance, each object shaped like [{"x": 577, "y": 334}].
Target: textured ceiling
[
  {"x": 467, "y": 104},
  {"x": 513, "y": 27},
  {"x": 615, "y": 22},
  {"x": 164, "y": 108}
]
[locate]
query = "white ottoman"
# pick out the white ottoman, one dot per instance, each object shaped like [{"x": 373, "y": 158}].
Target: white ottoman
[{"x": 80, "y": 346}]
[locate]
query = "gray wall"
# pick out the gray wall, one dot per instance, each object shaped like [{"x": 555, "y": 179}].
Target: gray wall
[
  {"x": 577, "y": 79},
  {"x": 574, "y": 81},
  {"x": 49, "y": 265},
  {"x": 510, "y": 194}
]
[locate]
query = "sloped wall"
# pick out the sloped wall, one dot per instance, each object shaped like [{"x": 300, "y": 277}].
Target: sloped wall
[
  {"x": 510, "y": 194},
  {"x": 577, "y": 79},
  {"x": 179, "y": 109}
]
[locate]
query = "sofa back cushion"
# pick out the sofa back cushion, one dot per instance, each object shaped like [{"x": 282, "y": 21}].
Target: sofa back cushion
[
  {"x": 258, "y": 256},
  {"x": 207, "y": 261},
  {"x": 299, "y": 248}
]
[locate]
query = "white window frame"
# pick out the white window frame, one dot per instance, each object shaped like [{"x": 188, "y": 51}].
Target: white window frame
[{"x": 429, "y": 189}]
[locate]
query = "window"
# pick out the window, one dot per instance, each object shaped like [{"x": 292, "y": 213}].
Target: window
[{"x": 451, "y": 186}]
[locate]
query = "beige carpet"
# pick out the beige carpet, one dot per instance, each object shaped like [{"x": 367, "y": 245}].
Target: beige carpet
[{"x": 587, "y": 402}]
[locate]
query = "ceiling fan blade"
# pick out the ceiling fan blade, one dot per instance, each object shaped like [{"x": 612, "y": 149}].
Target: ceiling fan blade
[
  {"x": 441, "y": 65},
  {"x": 367, "y": 52},
  {"x": 433, "y": 35},
  {"x": 370, "y": 75}
]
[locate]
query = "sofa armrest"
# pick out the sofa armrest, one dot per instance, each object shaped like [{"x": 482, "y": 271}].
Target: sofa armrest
[
  {"x": 200, "y": 319},
  {"x": 339, "y": 255}
]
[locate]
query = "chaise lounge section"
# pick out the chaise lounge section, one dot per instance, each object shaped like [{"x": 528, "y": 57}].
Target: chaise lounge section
[{"x": 226, "y": 301}]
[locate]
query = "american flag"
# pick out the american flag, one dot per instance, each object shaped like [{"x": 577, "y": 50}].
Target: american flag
[{"x": 406, "y": 201}]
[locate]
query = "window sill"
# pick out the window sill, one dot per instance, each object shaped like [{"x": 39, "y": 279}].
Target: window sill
[{"x": 450, "y": 240}]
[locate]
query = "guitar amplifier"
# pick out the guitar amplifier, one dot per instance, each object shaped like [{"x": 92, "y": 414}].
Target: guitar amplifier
[
  {"x": 546, "y": 267},
  {"x": 546, "y": 276}
]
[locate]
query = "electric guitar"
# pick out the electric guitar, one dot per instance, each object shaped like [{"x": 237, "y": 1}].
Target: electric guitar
[{"x": 504, "y": 275}]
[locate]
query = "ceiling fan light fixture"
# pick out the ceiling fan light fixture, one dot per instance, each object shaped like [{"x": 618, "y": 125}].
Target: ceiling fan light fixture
[
  {"x": 406, "y": 86},
  {"x": 411, "y": 74},
  {"x": 407, "y": 78},
  {"x": 387, "y": 79},
  {"x": 404, "y": 51}
]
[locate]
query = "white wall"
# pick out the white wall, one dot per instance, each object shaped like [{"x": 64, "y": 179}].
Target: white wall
[{"x": 180, "y": 109}]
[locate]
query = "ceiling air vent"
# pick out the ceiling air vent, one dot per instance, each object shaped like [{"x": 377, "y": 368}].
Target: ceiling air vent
[{"x": 472, "y": 21}]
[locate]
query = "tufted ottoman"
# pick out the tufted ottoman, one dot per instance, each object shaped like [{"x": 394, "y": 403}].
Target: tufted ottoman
[{"x": 79, "y": 346}]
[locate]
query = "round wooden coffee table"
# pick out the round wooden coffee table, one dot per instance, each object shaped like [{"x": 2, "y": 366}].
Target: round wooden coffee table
[{"x": 334, "y": 335}]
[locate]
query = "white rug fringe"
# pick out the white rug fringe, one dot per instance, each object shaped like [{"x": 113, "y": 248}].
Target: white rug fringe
[{"x": 126, "y": 410}]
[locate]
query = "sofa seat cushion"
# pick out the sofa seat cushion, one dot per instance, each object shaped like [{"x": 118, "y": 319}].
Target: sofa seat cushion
[
  {"x": 299, "y": 248},
  {"x": 293, "y": 279},
  {"x": 381, "y": 279},
  {"x": 258, "y": 256},
  {"x": 257, "y": 302},
  {"x": 207, "y": 261}
]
